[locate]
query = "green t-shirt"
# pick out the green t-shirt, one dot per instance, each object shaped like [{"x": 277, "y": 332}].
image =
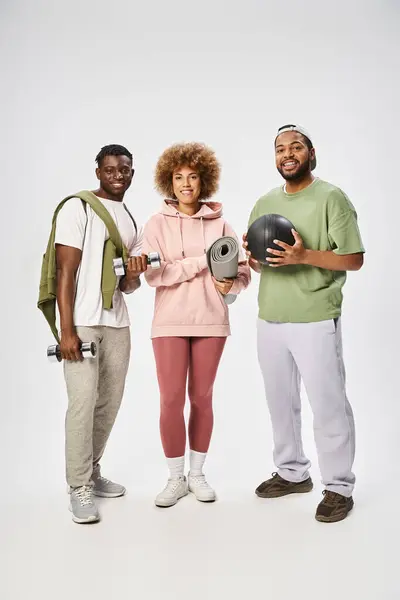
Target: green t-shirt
[{"x": 326, "y": 220}]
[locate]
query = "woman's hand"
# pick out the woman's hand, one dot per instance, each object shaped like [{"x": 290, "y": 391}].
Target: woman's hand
[{"x": 223, "y": 286}]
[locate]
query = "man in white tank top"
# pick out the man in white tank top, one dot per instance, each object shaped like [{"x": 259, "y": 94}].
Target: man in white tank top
[{"x": 95, "y": 386}]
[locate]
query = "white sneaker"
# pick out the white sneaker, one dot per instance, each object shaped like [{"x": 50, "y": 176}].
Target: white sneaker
[
  {"x": 173, "y": 491},
  {"x": 201, "y": 489}
]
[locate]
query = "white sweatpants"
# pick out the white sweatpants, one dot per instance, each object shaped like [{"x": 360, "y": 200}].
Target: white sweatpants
[{"x": 287, "y": 353}]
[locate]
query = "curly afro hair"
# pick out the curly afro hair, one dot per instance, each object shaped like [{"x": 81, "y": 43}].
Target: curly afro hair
[{"x": 194, "y": 155}]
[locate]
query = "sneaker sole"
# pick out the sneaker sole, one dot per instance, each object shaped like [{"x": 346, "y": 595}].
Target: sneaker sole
[
  {"x": 322, "y": 519},
  {"x": 86, "y": 521},
  {"x": 108, "y": 494},
  {"x": 168, "y": 504},
  {"x": 298, "y": 490},
  {"x": 92, "y": 519},
  {"x": 209, "y": 500}
]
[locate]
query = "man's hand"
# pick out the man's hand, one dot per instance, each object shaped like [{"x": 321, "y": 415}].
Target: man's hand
[
  {"x": 290, "y": 255},
  {"x": 135, "y": 267},
  {"x": 253, "y": 263},
  {"x": 298, "y": 254},
  {"x": 223, "y": 286},
  {"x": 70, "y": 346}
]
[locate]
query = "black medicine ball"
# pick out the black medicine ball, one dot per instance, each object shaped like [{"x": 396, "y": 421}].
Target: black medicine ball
[{"x": 263, "y": 231}]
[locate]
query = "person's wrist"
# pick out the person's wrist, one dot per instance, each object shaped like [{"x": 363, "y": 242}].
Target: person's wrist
[
  {"x": 68, "y": 330},
  {"x": 132, "y": 276},
  {"x": 306, "y": 258}
]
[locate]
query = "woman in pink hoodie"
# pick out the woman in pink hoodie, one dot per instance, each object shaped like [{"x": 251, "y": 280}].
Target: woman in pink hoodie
[{"x": 191, "y": 318}]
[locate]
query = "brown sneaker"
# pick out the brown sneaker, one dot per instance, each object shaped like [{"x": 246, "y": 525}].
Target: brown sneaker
[
  {"x": 277, "y": 487},
  {"x": 334, "y": 507}
]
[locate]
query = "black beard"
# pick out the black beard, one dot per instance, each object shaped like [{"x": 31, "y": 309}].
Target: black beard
[{"x": 297, "y": 175}]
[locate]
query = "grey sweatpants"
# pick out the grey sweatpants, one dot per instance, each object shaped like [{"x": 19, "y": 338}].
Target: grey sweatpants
[
  {"x": 287, "y": 353},
  {"x": 95, "y": 388}
]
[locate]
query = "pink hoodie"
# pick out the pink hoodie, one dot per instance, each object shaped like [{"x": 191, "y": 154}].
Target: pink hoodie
[{"x": 187, "y": 302}]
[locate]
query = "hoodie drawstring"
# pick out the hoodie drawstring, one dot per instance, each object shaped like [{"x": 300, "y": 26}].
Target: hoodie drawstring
[
  {"x": 202, "y": 232},
  {"x": 181, "y": 236}
]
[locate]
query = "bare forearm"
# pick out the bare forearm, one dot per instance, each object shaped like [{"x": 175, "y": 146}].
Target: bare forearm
[
  {"x": 129, "y": 285},
  {"x": 65, "y": 299},
  {"x": 326, "y": 259}
]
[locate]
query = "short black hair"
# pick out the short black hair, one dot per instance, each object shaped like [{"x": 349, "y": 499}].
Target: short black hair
[
  {"x": 305, "y": 138},
  {"x": 113, "y": 150}
]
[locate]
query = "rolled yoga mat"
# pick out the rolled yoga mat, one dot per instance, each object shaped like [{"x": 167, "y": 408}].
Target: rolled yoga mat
[{"x": 223, "y": 261}]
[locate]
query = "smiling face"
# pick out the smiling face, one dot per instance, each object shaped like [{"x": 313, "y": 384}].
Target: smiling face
[
  {"x": 187, "y": 185},
  {"x": 293, "y": 156},
  {"x": 115, "y": 175}
]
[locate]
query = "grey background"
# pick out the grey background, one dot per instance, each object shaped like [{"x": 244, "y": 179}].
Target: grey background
[{"x": 78, "y": 75}]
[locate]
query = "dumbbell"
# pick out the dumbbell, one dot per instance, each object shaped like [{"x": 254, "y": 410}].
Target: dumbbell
[
  {"x": 153, "y": 259},
  {"x": 88, "y": 349}
]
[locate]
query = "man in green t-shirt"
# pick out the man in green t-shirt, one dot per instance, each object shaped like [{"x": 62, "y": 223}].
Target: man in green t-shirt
[{"x": 299, "y": 326}]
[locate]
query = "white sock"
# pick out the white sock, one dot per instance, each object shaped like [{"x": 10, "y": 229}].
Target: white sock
[
  {"x": 176, "y": 467},
  {"x": 196, "y": 462}
]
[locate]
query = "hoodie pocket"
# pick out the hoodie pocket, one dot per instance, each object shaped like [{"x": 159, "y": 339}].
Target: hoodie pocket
[
  {"x": 173, "y": 305},
  {"x": 221, "y": 302}
]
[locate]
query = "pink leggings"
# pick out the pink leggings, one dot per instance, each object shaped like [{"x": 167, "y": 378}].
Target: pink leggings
[{"x": 176, "y": 357}]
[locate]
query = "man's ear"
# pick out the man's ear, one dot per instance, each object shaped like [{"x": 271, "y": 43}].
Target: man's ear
[{"x": 98, "y": 173}]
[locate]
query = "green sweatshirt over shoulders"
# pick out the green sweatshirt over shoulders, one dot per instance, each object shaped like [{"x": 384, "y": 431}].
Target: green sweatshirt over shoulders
[{"x": 113, "y": 248}]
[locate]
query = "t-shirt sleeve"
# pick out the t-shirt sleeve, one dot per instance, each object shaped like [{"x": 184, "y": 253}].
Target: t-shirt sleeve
[
  {"x": 343, "y": 231},
  {"x": 71, "y": 224},
  {"x": 136, "y": 248}
]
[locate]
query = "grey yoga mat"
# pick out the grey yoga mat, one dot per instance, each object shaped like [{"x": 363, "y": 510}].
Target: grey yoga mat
[{"x": 223, "y": 260}]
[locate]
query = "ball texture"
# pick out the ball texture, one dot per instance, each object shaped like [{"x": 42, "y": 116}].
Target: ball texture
[{"x": 263, "y": 231}]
